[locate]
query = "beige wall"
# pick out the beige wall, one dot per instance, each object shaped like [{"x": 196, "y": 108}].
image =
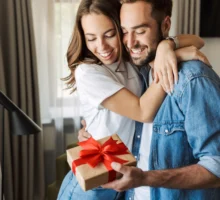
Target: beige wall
[{"x": 212, "y": 51}]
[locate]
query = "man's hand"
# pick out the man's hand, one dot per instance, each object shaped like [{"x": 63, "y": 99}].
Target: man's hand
[
  {"x": 83, "y": 134},
  {"x": 132, "y": 177},
  {"x": 189, "y": 177}
]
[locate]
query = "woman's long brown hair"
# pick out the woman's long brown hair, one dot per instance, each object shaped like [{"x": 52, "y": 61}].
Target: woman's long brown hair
[{"x": 78, "y": 52}]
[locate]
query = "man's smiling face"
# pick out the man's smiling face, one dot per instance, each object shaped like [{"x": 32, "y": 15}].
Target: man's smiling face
[{"x": 141, "y": 32}]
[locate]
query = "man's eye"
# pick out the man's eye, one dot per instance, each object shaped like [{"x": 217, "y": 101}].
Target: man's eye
[{"x": 140, "y": 32}]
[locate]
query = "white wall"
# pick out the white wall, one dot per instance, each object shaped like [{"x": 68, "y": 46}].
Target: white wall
[{"x": 212, "y": 51}]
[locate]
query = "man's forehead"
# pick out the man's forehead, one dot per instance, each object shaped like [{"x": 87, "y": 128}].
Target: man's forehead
[
  {"x": 138, "y": 6},
  {"x": 135, "y": 13}
]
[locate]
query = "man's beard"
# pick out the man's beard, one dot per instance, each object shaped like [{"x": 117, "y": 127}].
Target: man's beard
[
  {"x": 148, "y": 59},
  {"x": 151, "y": 55}
]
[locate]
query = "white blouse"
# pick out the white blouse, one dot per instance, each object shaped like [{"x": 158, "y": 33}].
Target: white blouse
[{"x": 94, "y": 84}]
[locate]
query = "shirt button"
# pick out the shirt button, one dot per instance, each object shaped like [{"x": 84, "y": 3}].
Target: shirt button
[
  {"x": 129, "y": 198},
  {"x": 135, "y": 157},
  {"x": 138, "y": 136},
  {"x": 166, "y": 131}
]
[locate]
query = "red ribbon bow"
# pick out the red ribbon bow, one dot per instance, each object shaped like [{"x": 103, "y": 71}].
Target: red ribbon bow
[{"x": 94, "y": 153}]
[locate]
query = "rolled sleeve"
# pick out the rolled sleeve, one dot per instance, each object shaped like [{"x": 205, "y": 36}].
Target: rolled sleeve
[
  {"x": 201, "y": 107},
  {"x": 211, "y": 163}
]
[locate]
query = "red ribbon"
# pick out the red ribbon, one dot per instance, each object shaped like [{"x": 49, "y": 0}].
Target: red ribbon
[{"x": 94, "y": 153}]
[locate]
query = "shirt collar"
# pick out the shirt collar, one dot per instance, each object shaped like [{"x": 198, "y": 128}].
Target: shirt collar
[{"x": 123, "y": 67}]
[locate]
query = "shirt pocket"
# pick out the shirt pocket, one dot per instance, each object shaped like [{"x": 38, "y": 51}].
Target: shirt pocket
[{"x": 170, "y": 148}]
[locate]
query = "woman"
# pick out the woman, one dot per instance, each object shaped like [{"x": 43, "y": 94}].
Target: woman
[{"x": 109, "y": 87}]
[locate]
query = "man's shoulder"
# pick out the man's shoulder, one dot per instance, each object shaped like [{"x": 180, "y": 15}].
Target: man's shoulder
[{"x": 195, "y": 69}]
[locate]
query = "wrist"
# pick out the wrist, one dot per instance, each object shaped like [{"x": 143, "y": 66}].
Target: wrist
[
  {"x": 166, "y": 44},
  {"x": 144, "y": 179},
  {"x": 174, "y": 40}
]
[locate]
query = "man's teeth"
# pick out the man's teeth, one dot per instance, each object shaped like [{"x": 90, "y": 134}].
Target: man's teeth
[
  {"x": 136, "y": 50},
  {"x": 105, "y": 54}
]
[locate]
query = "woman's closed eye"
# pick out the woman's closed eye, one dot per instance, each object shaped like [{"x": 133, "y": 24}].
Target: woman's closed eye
[
  {"x": 90, "y": 39},
  {"x": 110, "y": 34}
]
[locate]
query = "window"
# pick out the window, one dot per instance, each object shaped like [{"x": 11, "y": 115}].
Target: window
[
  {"x": 210, "y": 18},
  {"x": 65, "y": 11}
]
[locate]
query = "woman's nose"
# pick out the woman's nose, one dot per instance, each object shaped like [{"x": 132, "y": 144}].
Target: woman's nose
[{"x": 102, "y": 44}]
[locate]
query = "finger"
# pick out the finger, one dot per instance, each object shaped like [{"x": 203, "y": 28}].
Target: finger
[
  {"x": 166, "y": 82},
  {"x": 156, "y": 78},
  {"x": 116, "y": 166},
  {"x": 161, "y": 81},
  {"x": 113, "y": 185},
  {"x": 83, "y": 136},
  {"x": 204, "y": 59},
  {"x": 162, "y": 85},
  {"x": 86, "y": 134},
  {"x": 160, "y": 77},
  {"x": 119, "y": 168},
  {"x": 170, "y": 79},
  {"x": 82, "y": 139},
  {"x": 83, "y": 122},
  {"x": 175, "y": 73},
  {"x": 117, "y": 184}
]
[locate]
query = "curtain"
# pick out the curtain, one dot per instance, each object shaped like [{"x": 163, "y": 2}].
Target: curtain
[
  {"x": 1, "y": 116},
  {"x": 185, "y": 17},
  {"x": 23, "y": 166},
  {"x": 60, "y": 110}
]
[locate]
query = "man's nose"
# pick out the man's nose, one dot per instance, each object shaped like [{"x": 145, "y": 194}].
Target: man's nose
[{"x": 130, "y": 41}]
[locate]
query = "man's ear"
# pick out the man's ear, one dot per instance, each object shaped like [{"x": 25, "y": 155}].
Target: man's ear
[{"x": 165, "y": 26}]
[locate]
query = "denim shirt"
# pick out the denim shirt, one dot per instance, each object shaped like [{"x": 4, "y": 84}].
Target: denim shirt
[
  {"x": 186, "y": 130},
  {"x": 129, "y": 195}
]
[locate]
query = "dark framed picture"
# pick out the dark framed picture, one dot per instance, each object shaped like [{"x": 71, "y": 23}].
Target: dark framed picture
[{"x": 210, "y": 18}]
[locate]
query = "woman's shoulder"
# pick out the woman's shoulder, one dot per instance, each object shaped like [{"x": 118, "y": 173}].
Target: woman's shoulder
[
  {"x": 85, "y": 67},
  {"x": 95, "y": 70}
]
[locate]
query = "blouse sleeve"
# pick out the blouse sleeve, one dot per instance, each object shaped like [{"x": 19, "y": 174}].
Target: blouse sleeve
[{"x": 95, "y": 84}]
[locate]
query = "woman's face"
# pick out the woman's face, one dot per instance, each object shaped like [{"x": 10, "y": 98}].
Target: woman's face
[{"x": 101, "y": 37}]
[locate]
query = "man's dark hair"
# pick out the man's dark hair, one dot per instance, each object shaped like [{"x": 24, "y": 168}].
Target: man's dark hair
[{"x": 160, "y": 8}]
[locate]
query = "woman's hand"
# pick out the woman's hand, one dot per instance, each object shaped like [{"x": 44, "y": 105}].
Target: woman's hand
[
  {"x": 83, "y": 134},
  {"x": 191, "y": 53},
  {"x": 165, "y": 66}
]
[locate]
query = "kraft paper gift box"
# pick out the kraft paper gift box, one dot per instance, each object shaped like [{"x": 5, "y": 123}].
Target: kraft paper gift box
[{"x": 90, "y": 176}]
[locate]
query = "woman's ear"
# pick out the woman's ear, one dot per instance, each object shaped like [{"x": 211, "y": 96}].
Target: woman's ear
[{"x": 165, "y": 26}]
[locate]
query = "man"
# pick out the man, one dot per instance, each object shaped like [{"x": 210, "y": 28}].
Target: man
[
  {"x": 179, "y": 153},
  {"x": 184, "y": 153}
]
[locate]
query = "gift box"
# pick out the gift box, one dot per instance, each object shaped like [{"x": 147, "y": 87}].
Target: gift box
[{"x": 91, "y": 161}]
